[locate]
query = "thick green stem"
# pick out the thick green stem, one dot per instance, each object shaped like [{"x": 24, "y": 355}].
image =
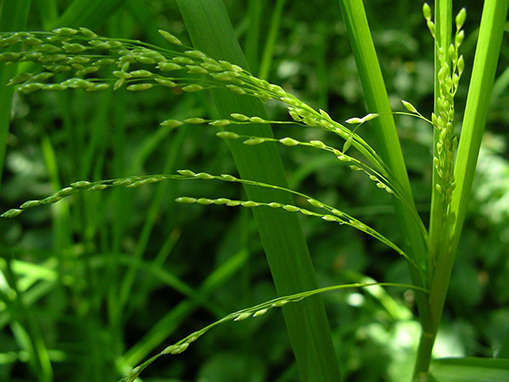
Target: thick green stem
[
  {"x": 478, "y": 100},
  {"x": 443, "y": 30},
  {"x": 445, "y": 236}
]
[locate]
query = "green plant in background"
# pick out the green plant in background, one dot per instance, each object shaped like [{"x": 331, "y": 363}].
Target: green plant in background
[{"x": 77, "y": 58}]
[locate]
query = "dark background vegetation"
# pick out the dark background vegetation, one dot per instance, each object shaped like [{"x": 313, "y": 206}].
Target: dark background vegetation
[{"x": 87, "y": 242}]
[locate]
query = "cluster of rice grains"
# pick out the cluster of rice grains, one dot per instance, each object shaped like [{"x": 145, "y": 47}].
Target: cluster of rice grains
[
  {"x": 80, "y": 59},
  {"x": 448, "y": 78},
  {"x": 84, "y": 58}
]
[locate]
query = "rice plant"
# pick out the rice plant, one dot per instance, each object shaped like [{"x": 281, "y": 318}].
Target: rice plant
[{"x": 77, "y": 59}]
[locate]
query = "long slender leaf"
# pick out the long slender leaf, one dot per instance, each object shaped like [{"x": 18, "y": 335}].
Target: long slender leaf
[
  {"x": 476, "y": 110},
  {"x": 281, "y": 234},
  {"x": 384, "y": 127},
  {"x": 377, "y": 100}
]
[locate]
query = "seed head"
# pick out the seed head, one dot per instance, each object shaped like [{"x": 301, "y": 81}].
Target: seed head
[
  {"x": 315, "y": 203},
  {"x": 185, "y": 199},
  {"x": 278, "y": 90},
  {"x": 51, "y": 199},
  {"x": 65, "y": 31},
  {"x": 168, "y": 66},
  {"x": 220, "y": 123},
  {"x": 98, "y": 187},
  {"x": 254, "y": 141},
  {"x": 236, "y": 89},
  {"x": 260, "y": 312},
  {"x": 183, "y": 60},
  {"x": 180, "y": 348},
  {"x": 54, "y": 87},
  {"x": 12, "y": 213},
  {"x": 306, "y": 212},
  {"x": 257, "y": 120},
  {"x": 88, "y": 70},
  {"x": 228, "y": 178},
  {"x": 192, "y": 88},
  {"x": 212, "y": 67},
  {"x": 78, "y": 83},
  {"x": 98, "y": 87},
  {"x": 194, "y": 121},
  {"x": 347, "y": 144},
  {"x": 459, "y": 38},
  {"x": 80, "y": 184},
  {"x": 195, "y": 54},
  {"x": 139, "y": 87},
  {"x": 203, "y": 175},
  {"x": 9, "y": 56},
  {"x": 289, "y": 141},
  {"x": 171, "y": 123},
  {"x": 431, "y": 27},
  {"x": 250, "y": 203},
  {"x": 227, "y": 135},
  {"x": 20, "y": 78},
  {"x": 32, "y": 41},
  {"x": 370, "y": 116},
  {"x": 87, "y": 32},
  {"x": 330, "y": 218},
  {"x": 409, "y": 107},
  {"x": 291, "y": 208},
  {"x": 65, "y": 191},
  {"x": 317, "y": 144},
  {"x": 30, "y": 204},
  {"x": 169, "y": 37},
  {"x": 141, "y": 73},
  {"x": 426, "y": 10},
  {"x": 186, "y": 172},
  {"x": 239, "y": 117},
  {"x": 243, "y": 316},
  {"x": 73, "y": 48},
  {"x": 460, "y": 18},
  {"x": 290, "y": 101},
  {"x": 194, "y": 69},
  {"x": 354, "y": 121},
  {"x": 461, "y": 65}
]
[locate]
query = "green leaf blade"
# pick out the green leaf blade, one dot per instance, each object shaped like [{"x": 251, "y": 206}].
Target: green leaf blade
[{"x": 281, "y": 234}]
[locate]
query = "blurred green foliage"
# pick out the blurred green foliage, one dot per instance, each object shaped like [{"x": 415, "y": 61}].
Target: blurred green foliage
[{"x": 194, "y": 264}]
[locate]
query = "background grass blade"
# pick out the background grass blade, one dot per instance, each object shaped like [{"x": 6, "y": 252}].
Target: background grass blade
[
  {"x": 268, "y": 51},
  {"x": 285, "y": 247},
  {"x": 13, "y": 16},
  {"x": 85, "y": 13},
  {"x": 25, "y": 328},
  {"x": 470, "y": 370}
]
